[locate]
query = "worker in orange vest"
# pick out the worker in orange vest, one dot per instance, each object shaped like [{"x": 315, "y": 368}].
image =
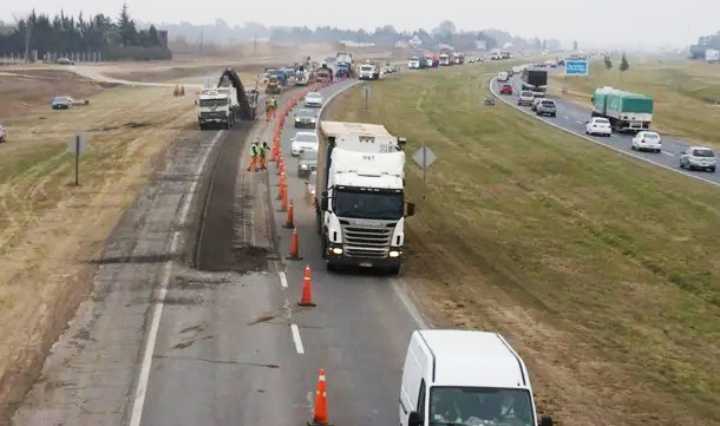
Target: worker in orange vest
[{"x": 254, "y": 156}]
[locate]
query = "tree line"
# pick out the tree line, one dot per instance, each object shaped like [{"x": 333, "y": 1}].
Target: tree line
[{"x": 62, "y": 33}]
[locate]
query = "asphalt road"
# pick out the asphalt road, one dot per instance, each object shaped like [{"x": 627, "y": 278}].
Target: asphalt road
[
  {"x": 572, "y": 117},
  {"x": 195, "y": 319},
  {"x": 242, "y": 352}
]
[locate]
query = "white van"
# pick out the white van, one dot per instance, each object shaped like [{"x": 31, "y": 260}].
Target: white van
[
  {"x": 503, "y": 76},
  {"x": 468, "y": 378}
]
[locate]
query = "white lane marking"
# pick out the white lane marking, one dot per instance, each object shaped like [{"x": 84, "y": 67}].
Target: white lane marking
[
  {"x": 611, "y": 147},
  {"x": 297, "y": 339},
  {"x": 283, "y": 280},
  {"x": 149, "y": 350},
  {"x": 668, "y": 153},
  {"x": 409, "y": 305}
]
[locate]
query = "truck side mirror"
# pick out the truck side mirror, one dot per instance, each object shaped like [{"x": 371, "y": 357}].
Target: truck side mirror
[
  {"x": 410, "y": 210},
  {"x": 414, "y": 419},
  {"x": 546, "y": 421},
  {"x": 324, "y": 201},
  {"x": 402, "y": 142}
]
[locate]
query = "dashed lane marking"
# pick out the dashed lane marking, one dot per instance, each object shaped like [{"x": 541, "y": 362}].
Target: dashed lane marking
[
  {"x": 283, "y": 279},
  {"x": 297, "y": 339}
]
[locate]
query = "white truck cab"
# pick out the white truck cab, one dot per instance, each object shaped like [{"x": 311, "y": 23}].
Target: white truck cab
[
  {"x": 469, "y": 378},
  {"x": 217, "y": 106}
]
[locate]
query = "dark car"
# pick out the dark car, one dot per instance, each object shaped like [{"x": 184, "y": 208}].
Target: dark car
[
  {"x": 506, "y": 89},
  {"x": 306, "y": 119},
  {"x": 61, "y": 102}
]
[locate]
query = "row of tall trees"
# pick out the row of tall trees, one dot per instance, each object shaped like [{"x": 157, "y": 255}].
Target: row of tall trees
[
  {"x": 62, "y": 33},
  {"x": 445, "y": 33}
]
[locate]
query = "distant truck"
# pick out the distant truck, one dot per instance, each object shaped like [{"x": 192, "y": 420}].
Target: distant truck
[
  {"x": 627, "y": 111},
  {"x": 369, "y": 71},
  {"x": 360, "y": 201},
  {"x": 414, "y": 63},
  {"x": 445, "y": 60},
  {"x": 323, "y": 75},
  {"x": 458, "y": 58},
  {"x": 535, "y": 80},
  {"x": 343, "y": 65},
  {"x": 225, "y": 104},
  {"x": 712, "y": 56}
]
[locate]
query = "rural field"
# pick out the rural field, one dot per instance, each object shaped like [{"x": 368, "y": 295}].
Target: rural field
[
  {"x": 603, "y": 272},
  {"x": 686, "y": 94},
  {"x": 50, "y": 230}
]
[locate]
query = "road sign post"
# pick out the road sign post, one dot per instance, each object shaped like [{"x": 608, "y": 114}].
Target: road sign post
[
  {"x": 424, "y": 157},
  {"x": 77, "y": 146}
]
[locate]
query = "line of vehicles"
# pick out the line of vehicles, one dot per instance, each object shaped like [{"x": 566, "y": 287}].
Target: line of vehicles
[
  {"x": 613, "y": 110},
  {"x": 444, "y": 59}
]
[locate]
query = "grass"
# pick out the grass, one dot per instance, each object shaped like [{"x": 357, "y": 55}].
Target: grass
[
  {"x": 605, "y": 272},
  {"x": 686, "y": 94}
]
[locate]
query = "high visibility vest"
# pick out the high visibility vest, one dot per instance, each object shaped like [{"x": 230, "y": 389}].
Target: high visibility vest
[
  {"x": 263, "y": 150},
  {"x": 254, "y": 150}
]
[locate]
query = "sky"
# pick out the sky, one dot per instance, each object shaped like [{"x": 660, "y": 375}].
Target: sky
[{"x": 594, "y": 23}]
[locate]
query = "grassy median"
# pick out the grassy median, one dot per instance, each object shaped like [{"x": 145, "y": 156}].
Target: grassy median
[{"x": 604, "y": 272}]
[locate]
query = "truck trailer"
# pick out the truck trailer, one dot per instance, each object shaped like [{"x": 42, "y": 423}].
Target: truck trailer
[
  {"x": 535, "y": 80},
  {"x": 360, "y": 197},
  {"x": 627, "y": 111}
]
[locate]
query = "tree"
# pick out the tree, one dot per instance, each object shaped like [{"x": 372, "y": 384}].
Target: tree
[
  {"x": 126, "y": 27},
  {"x": 443, "y": 33},
  {"x": 608, "y": 62},
  {"x": 624, "y": 64}
]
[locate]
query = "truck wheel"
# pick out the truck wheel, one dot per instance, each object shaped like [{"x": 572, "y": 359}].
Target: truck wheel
[{"x": 393, "y": 270}]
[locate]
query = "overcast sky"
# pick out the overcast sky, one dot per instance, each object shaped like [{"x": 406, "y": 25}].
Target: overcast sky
[{"x": 599, "y": 23}]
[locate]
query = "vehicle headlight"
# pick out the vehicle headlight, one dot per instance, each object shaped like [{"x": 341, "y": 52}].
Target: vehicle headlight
[
  {"x": 394, "y": 254},
  {"x": 304, "y": 166},
  {"x": 337, "y": 250}
]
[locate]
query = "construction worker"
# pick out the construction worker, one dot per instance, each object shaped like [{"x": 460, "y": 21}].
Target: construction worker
[
  {"x": 254, "y": 156},
  {"x": 264, "y": 152},
  {"x": 274, "y": 106},
  {"x": 269, "y": 113}
]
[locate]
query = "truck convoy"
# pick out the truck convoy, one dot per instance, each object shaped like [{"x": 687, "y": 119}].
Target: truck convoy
[
  {"x": 224, "y": 104},
  {"x": 626, "y": 111},
  {"x": 360, "y": 202},
  {"x": 535, "y": 80}
]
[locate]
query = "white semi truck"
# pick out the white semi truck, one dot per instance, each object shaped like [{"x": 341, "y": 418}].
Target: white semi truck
[{"x": 360, "y": 197}]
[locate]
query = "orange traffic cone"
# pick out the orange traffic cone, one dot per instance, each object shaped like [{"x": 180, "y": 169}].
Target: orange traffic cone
[
  {"x": 320, "y": 411},
  {"x": 290, "y": 222},
  {"x": 295, "y": 249},
  {"x": 284, "y": 199},
  {"x": 306, "y": 298}
]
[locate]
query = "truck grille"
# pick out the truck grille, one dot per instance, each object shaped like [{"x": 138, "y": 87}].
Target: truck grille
[{"x": 366, "y": 242}]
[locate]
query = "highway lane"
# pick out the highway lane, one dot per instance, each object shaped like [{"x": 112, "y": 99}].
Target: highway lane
[
  {"x": 572, "y": 118},
  {"x": 233, "y": 346}
]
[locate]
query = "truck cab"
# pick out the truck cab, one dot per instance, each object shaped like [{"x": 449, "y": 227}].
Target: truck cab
[
  {"x": 454, "y": 377},
  {"x": 414, "y": 63},
  {"x": 361, "y": 205},
  {"x": 215, "y": 106},
  {"x": 368, "y": 72}
]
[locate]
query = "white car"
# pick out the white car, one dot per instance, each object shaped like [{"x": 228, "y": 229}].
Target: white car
[
  {"x": 303, "y": 141},
  {"x": 699, "y": 157},
  {"x": 313, "y": 100},
  {"x": 3, "y": 134},
  {"x": 503, "y": 76},
  {"x": 647, "y": 141},
  {"x": 598, "y": 126}
]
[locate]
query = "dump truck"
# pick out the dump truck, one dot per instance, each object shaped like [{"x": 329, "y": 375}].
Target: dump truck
[
  {"x": 535, "y": 80},
  {"x": 224, "y": 104},
  {"x": 627, "y": 111},
  {"x": 360, "y": 196}
]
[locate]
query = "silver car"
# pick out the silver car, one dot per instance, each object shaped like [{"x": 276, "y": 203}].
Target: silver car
[
  {"x": 700, "y": 158},
  {"x": 307, "y": 163},
  {"x": 313, "y": 100}
]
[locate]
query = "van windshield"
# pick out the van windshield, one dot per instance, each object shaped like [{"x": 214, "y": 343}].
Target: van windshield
[{"x": 464, "y": 406}]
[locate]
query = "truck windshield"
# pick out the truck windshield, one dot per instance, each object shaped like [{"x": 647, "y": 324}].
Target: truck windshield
[
  {"x": 369, "y": 205},
  {"x": 463, "y": 406},
  {"x": 213, "y": 102}
]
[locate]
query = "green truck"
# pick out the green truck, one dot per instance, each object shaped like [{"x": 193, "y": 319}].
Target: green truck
[{"x": 627, "y": 112}]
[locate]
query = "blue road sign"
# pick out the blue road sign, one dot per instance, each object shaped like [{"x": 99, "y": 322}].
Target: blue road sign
[{"x": 577, "y": 67}]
